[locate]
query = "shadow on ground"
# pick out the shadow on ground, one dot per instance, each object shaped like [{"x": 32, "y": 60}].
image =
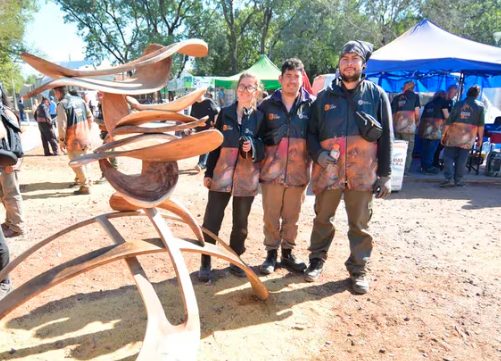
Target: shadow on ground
[{"x": 223, "y": 305}]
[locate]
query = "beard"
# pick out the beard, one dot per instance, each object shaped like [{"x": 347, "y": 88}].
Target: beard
[{"x": 355, "y": 77}]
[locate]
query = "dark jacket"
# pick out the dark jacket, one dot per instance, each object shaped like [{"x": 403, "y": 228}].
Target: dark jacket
[
  {"x": 333, "y": 127},
  {"x": 284, "y": 134},
  {"x": 42, "y": 114},
  {"x": 433, "y": 119},
  {"x": 464, "y": 120},
  {"x": 229, "y": 170},
  {"x": 404, "y": 112}
]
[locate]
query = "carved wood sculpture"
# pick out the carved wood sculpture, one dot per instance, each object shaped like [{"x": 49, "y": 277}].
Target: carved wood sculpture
[{"x": 137, "y": 133}]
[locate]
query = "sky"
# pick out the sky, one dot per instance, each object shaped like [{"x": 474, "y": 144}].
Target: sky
[{"x": 51, "y": 37}]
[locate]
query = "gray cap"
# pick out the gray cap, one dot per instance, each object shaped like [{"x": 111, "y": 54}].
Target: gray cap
[{"x": 362, "y": 48}]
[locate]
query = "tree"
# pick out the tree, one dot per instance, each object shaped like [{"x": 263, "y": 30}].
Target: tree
[
  {"x": 14, "y": 14},
  {"x": 122, "y": 28}
]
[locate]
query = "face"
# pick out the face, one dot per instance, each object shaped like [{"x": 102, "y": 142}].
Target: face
[
  {"x": 291, "y": 81},
  {"x": 452, "y": 92},
  {"x": 247, "y": 91},
  {"x": 58, "y": 94},
  {"x": 350, "y": 67}
]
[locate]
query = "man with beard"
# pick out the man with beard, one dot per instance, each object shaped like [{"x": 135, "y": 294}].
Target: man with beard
[
  {"x": 285, "y": 170},
  {"x": 346, "y": 164}
]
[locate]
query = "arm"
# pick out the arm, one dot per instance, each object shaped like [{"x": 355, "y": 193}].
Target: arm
[
  {"x": 62, "y": 122},
  {"x": 384, "y": 144},
  {"x": 416, "y": 114},
  {"x": 90, "y": 117},
  {"x": 312, "y": 141},
  {"x": 214, "y": 155},
  {"x": 257, "y": 141}
]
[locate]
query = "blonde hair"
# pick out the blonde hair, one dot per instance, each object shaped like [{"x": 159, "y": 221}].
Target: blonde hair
[{"x": 259, "y": 85}]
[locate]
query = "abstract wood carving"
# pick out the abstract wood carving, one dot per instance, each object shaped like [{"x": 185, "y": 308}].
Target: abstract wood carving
[{"x": 141, "y": 132}]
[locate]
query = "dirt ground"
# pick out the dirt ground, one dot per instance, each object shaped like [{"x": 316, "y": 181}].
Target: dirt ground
[{"x": 435, "y": 271}]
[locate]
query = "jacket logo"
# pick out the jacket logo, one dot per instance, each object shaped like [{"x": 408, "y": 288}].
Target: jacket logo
[
  {"x": 328, "y": 107},
  {"x": 362, "y": 102},
  {"x": 227, "y": 127},
  {"x": 272, "y": 116}
]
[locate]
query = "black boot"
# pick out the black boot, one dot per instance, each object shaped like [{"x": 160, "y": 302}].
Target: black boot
[
  {"x": 270, "y": 263},
  {"x": 205, "y": 267},
  {"x": 291, "y": 262},
  {"x": 314, "y": 270}
]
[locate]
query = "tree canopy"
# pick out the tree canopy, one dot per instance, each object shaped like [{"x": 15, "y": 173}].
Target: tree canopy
[
  {"x": 238, "y": 31},
  {"x": 14, "y": 14}
]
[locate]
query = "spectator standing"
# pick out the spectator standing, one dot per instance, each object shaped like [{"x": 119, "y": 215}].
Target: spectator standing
[
  {"x": 46, "y": 127},
  {"x": 203, "y": 107},
  {"x": 405, "y": 108},
  {"x": 464, "y": 128},
  {"x": 233, "y": 169},
  {"x": 430, "y": 129},
  {"x": 10, "y": 194},
  {"x": 346, "y": 164},
  {"x": 285, "y": 170}
]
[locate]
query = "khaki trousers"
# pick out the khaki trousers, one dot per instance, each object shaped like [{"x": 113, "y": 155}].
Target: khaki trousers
[
  {"x": 80, "y": 172},
  {"x": 359, "y": 210},
  {"x": 12, "y": 200},
  {"x": 281, "y": 208}
]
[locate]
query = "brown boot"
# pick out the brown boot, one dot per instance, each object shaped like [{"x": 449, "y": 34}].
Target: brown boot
[{"x": 82, "y": 190}]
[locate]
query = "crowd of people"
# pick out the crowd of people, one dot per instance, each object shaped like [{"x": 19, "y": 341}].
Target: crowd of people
[{"x": 340, "y": 142}]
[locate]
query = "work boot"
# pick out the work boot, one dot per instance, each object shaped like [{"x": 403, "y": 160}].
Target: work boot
[
  {"x": 5, "y": 288},
  {"x": 82, "y": 190},
  {"x": 291, "y": 262},
  {"x": 205, "y": 269},
  {"x": 270, "y": 263},
  {"x": 237, "y": 271},
  {"x": 359, "y": 283},
  {"x": 10, "y": 233},
  {"x": 314, "y": 270},
  {"x": 447, "y": 184}
]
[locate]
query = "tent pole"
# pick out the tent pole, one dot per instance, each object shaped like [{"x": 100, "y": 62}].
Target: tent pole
[{"x": 461, "y": 86}]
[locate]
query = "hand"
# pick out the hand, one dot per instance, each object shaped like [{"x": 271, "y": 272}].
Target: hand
[
  {"x": 479, "y": 144},
  {"x": 246, "y": 146},
  {"x": 324, "y": 159},
  {"x": 382, "y": 187},
  {"x": 62, "y": 145},
  {"x": 207, "y": 182},
  {"x": 8, "y": 169}
]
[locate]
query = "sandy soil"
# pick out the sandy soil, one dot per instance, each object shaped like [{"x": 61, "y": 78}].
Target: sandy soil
[{"x": 435, "y": 281}]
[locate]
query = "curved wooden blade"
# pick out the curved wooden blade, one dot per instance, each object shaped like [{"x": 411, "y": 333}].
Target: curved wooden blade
[
  {"x": 175, "y": 106},
  {"x": 145, "y": 80},
  {"x": 162, "y": 340},
  {"x": 153, "y": 186},
  {"x": 132, "y": 142},
  {"x": 157, "y": 127},
  {"x": 195, "y": 144},
  {"x": 67, "y": 270},
  {"x": 155, "y": 53},
  {"x": 119, "y": 203},
  {"x": 192, "y": 320},
  {"x": 16, "y": 261},
  {"x": 145, "y": 116},
  {"x": 114, "y": 108}
]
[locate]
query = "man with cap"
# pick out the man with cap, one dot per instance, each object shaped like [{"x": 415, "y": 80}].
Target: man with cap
[
  {"x": 346, "y": 164},
  {"x": 405, "y": 108}
]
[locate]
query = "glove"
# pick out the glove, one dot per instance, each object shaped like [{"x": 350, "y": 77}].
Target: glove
[
  {"x": 324, "y": 159},
  {"x": 382, "y": 187}
]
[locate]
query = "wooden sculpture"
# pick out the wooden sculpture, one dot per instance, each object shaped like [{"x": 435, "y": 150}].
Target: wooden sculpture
[{"x": 138, "y": 134}]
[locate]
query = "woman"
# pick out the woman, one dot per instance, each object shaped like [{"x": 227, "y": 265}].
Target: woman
[{"x": 233, "y": 169}]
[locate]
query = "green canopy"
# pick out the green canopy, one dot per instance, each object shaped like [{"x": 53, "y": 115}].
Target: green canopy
[{"x": 264, "y": 69}]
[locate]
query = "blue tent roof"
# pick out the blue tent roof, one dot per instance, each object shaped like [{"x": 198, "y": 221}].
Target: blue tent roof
[{"x": 426, "y": 48}]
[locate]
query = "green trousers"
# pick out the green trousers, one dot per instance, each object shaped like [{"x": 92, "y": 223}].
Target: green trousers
[{"x": 359, "y": 210}]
